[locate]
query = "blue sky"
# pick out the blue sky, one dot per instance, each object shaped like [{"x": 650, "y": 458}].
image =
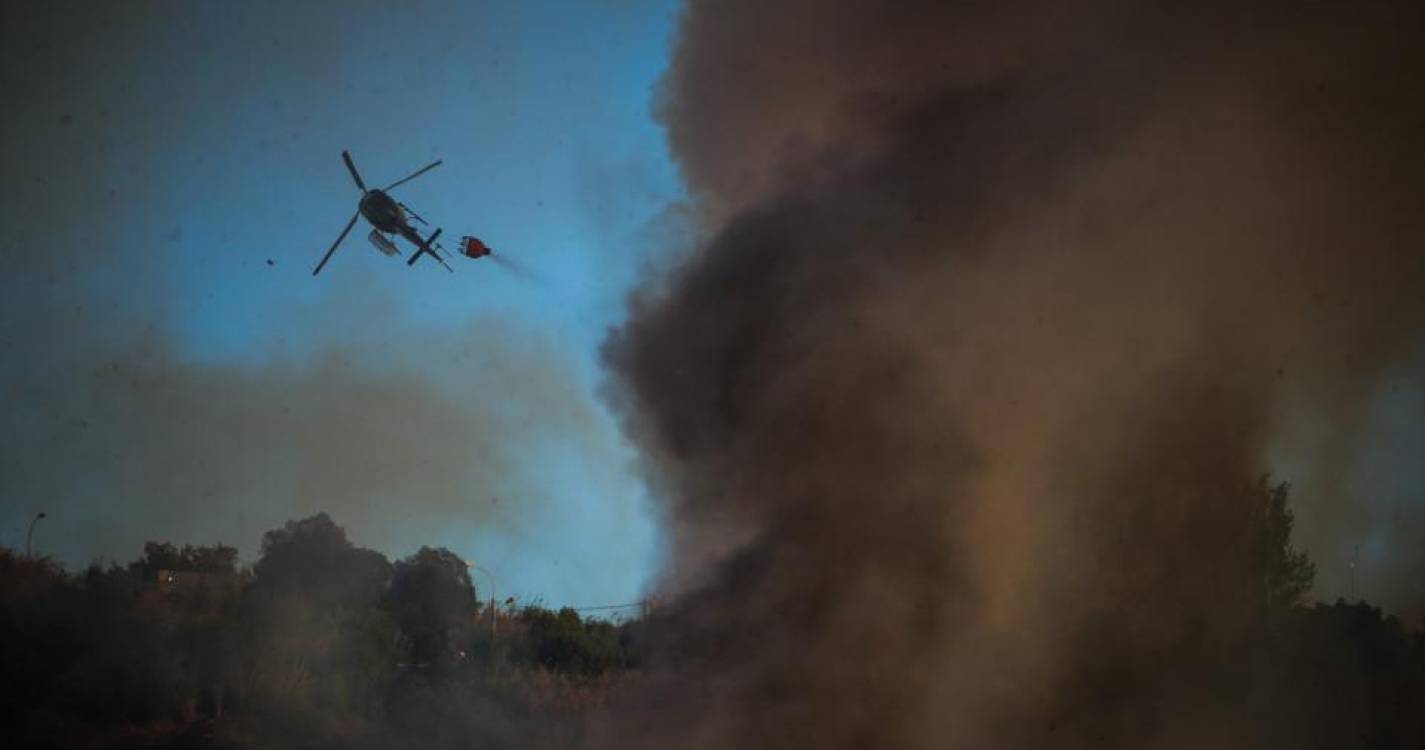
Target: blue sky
[{"x": 167, "y": 155}]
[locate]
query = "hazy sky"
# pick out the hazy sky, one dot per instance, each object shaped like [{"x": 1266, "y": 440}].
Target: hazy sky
[
  {"x": 174, "y": 371},
  {"x": 172, "y": 173}
]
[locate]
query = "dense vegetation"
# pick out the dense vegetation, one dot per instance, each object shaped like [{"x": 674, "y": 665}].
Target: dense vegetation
[{"x": 320, "y": 643}]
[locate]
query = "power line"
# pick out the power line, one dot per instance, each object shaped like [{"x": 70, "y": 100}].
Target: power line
[{"x": 609, "y": 606}]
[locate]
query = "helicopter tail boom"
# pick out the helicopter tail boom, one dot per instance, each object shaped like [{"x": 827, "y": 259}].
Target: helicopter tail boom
[{"x": 424, "y": 248}]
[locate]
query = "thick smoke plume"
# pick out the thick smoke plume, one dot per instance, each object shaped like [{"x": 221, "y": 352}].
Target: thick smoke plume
[{"x": 1003, "y": 306}]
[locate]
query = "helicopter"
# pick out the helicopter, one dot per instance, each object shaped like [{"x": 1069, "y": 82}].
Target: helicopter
[{"x": 388, "y": 217}]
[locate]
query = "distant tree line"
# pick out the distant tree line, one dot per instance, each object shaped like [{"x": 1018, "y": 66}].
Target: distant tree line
[
  {"x": 320, "y": 642},
  {"x": 324, "y": 644}
]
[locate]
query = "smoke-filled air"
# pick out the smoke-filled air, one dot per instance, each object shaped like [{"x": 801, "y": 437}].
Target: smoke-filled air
[
  {"x": 964, "y": 410},
  {"x": 930, "y": 375}
]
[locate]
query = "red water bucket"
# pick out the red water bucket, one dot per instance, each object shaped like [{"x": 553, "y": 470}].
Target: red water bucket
[{"x": 473, "y": 248}]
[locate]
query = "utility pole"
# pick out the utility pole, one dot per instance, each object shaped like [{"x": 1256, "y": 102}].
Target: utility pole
[
  {"x": 491, "y": 576},
  {"x": 30, "y": 534}
]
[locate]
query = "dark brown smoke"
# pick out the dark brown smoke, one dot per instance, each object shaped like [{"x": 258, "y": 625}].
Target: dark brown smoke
[{"x": 1003, "y": 306}]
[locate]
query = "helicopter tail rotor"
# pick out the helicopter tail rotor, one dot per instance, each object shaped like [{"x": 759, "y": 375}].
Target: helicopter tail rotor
[{"x": 426, "y": 249}]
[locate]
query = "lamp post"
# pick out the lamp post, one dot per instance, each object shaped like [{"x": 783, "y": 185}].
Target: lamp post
[
  {"x": 471, "y": 565},
  {"x": 30, "y": 534}
]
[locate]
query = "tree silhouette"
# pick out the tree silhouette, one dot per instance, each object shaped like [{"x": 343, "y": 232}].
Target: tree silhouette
[
  {"x": 313, "y": 556},
  {"x": 431, "y": 595},
  {"x": 311, "y": 628},
  {"x": 1287, "y": 573}
]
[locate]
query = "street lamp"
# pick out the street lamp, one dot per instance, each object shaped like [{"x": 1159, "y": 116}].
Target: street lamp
[
  {"x": 471, "y": 565},
  {"x": 29, "y": 534}
]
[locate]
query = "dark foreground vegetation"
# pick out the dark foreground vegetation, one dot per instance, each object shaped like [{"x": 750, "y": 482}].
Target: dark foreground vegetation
[
  {"x": 319, "y": 644},
  {"x": 323, "y": 644}
]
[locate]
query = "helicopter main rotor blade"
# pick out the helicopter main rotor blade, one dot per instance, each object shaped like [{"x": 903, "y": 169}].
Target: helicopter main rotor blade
[
  {"x": 346, "y": 157},
  {"x": 418, "y": 173},
  {"x": 341, "y": 237}
]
